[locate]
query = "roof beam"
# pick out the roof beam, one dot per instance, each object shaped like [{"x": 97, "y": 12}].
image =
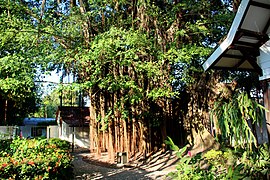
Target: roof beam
[
  {"x": 247, "y": 44},
  {"x": 261, "y": 5},
  {"x": 252, "y": 51},
  {"x": 261, "y": 37},
  {"x": 254, "y": 34},
  {"x": 234, "y": 69},
  {"x": 251, "y": 58},
  {"x": 254, "y": 64},
  {"x": 267, "y": 26},
  {"x": 239, "y": 63},
  {"x": 233, "y": 56}
]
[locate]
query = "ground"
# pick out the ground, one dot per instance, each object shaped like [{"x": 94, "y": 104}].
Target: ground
[{"x": 155, "y": 167}]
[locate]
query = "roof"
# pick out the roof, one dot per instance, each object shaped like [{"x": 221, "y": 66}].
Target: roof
[
  {"x": 75, "y": 116},
  {"x": 249, "y": 31},
  {"x": 36, "y": 121}
]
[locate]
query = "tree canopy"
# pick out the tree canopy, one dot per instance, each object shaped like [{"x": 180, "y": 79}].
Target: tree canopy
[
  {"x": 17, "y": 65},
  {"x": 139, "y": 62}
]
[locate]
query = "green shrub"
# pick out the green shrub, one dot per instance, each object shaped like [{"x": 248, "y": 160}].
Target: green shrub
[
  {"x": 256, "y": 163},
  {"x": 5, "y": 144},
  {"x": 60, "y": 143},
  {"x": 35, "y": 159},
  {"x": 225, "y": 163}
]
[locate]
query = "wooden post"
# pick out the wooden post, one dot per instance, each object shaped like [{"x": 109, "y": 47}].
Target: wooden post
[
  {"x": 5, "y": 114},
  {"x": 73, "y": 137}
]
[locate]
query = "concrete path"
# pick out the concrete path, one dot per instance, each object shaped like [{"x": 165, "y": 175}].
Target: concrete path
[{"x": 157, "y": 167}]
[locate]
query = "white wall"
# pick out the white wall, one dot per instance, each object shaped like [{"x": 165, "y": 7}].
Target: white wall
[
  {"x": 81, "y": 135},
  {"x": 53, "y": 131},
  {"x": 264, "y": 60}
]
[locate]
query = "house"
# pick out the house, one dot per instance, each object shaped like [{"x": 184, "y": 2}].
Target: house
[
  {"x": 247, "y": 47},
  {"x": 31, "y": 128},
  {"x": 73, "y": 125},
  {"x": 35, "y": 127}
]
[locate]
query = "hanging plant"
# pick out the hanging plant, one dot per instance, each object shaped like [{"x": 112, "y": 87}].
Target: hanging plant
[{"x": 234, "y": 117}]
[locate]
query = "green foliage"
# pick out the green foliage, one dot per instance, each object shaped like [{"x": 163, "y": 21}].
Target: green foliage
[
  {"x": 17, "y": 85},
  {"x": 224, "y": 164},
  {"x": 122, "y": 49},
  {"x": 48, "y": 105},
  {"x": 233, "y": 115},
  {"x": 174, "y": 147},
  {"x": 5, "y": 144},
  {"x": 256, "y": 163},
  {"x": 65, "y": 145},
  {"x": 189, "y": 167},
  {"x": 35, "y": 159},
  {"x": 18, "y": 61},
  {"x": 133, "y": 50},
  {"x": 4, "y": 135},
  {"x": 124, "y": 62}
]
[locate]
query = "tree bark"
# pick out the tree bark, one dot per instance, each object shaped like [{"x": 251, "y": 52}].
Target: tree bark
[
  {"x": 92, "y": 126},
  {"x": 125, "y": 138},
  {"x": 110, "y": 147}
]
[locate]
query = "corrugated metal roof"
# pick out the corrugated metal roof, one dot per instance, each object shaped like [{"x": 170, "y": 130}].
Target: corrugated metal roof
[{"x": 35, "y": 121}]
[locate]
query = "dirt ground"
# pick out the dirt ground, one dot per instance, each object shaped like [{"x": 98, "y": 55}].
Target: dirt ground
[{"x": 155, "y": 167}]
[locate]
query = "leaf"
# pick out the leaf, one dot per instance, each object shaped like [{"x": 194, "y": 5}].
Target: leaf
[{"x": 170, "y": 143}]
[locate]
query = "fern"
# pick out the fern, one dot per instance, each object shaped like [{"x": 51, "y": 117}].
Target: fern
[{"x": 233, "y": 117}]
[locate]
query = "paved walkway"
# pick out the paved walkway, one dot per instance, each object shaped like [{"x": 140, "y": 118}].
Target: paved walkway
[{"x": 155, "y": 168}]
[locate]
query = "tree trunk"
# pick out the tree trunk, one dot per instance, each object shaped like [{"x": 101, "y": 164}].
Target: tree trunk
[
  {"x": 110, "y": 103},
  {"x": 110, "y": 147},
  {"x": 125, "y": 138},
  {"x": 97, "y": 140},
  {"x": 92, "y": 126},
  {"x": 103, "y": 125},
  {"x": 142, "y": 144}
]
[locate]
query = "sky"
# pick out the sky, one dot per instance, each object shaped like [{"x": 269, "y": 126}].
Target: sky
[
  {"x": 53, "y": 77},
  {"x": 50, "y": 82}
]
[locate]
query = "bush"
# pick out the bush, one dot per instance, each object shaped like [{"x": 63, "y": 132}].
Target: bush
[
  {"x": 225, "y": 163},
  {"x": 36, "y": 159},
  {"x": 60, "y": 143},
  {"x": 5, "y": 144}
]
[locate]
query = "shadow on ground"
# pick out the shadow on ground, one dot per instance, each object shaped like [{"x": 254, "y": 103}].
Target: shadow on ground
[{"x": 155, "y": 167}]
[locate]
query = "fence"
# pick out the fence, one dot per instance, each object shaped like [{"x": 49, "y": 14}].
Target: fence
[{"x": 8, "y": 132}]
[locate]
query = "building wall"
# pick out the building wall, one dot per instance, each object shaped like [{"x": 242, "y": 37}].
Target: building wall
[
  {"x": 81, "y": 135},
  {"x": 26, "y": 131},
  {"x": 264, "y": 63},
  {"x": 52, "y": 131},
  {"x": 264, "y": 60},
  {"x": 266, "y": 97},
  {"x": 31, "y": 131}
]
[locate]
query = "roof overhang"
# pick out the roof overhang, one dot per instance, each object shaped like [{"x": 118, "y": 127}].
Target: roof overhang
[
  {"x": 74, "y": 116},
  {"x": 249, "y": 31}
]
